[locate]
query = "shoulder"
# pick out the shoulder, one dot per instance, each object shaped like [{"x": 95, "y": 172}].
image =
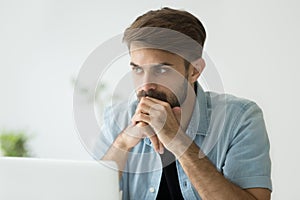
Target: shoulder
[
  {"x": 235, "y": 113},
  {"x": 233, "y": 104}
]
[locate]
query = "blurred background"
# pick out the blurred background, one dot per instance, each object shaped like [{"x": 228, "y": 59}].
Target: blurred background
[{"x": 253, "y": 44}]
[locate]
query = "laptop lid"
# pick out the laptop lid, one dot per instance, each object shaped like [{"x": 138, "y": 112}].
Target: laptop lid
[{"x": 41, "y": 179}]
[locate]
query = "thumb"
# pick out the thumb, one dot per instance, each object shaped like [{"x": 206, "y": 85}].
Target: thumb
[{"x": 177, "y": 113}]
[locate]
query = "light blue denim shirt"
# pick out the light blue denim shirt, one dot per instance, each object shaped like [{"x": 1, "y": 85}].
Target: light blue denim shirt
[{"x": 230, "y": 130}]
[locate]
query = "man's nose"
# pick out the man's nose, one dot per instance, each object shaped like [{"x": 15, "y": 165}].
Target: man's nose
[{"x": 148, "y": 83}]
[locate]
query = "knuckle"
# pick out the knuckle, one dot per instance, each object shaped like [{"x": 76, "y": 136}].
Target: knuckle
[
  {"x": 166, "y": 105},
  {"x": 143, "y": 99},
  {"x": 138, "y": 110},
  {"x": 139, "y": 125}
]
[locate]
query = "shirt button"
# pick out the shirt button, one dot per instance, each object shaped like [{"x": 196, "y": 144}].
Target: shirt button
[
  {"x": 152, "y": 189},
  {"x": 185, "y": 184}
]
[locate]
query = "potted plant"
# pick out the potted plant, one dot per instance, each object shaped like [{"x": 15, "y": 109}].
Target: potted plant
[{"x": 14, "y": 143}]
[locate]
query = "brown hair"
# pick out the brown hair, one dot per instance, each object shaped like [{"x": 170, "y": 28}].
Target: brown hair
[{"x": 169, "y": 29}]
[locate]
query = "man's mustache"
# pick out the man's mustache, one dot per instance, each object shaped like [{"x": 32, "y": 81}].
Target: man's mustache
[{"x": 152, "y": 93}]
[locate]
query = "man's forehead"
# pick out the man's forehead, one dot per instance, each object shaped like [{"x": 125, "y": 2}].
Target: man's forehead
[
  {"x": 154, "y": 57},
  {"x": 135, "y": 48}
]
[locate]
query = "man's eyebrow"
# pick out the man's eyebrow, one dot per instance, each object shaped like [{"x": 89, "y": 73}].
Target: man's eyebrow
[
  {"x": 133, "y": 64},
  {"x": 155, "y": 65}
]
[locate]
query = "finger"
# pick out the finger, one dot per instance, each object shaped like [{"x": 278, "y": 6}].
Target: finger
[
  {"x": 143, "y": 107},
  {"x": 157, "y": 101},
  {"x": 161, "y": 148},
  {"x": 141, "y": 117},
  {"x": 144, "y": 127},
  {"x": 151, "y": 108},
  {"x": 135, "y": 131},
  {"x": 152, "y": 136},
  {"x": 142, "y": 124},
  {"x": 157, "y": 145},
  {"x": 155, "y": 142},
  {"x": 152, "y": 103},
  {"x": 177, "y": 113}
]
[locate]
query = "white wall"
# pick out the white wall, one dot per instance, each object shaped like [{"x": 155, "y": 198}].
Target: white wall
[{"x": 254, "y": 45}]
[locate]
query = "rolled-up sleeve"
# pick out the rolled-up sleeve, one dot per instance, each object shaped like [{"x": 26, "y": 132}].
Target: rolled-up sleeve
[
  {"x": 248, "y": 161},
  {"x": 115, "y": 119},
  {"x": 106, "y": 136}
]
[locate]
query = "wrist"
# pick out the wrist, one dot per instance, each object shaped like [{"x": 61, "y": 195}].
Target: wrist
[
  {"x": 179, "y": 144},
  {"x": 121, "y": 143}
]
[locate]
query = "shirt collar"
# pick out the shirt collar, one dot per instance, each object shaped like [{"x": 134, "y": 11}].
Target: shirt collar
[{"x": 199, "y": 121}]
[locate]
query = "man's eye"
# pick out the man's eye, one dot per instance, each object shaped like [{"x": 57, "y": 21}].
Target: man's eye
[
  {"x": 137, "y": 70},
  {"x": 161, "y": 70}
]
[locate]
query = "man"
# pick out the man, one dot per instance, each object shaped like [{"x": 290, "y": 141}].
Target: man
[{"x": 177, "y": 141}]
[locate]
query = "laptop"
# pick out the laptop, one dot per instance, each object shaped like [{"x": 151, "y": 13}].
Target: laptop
[{"x": 42, "y": 179}]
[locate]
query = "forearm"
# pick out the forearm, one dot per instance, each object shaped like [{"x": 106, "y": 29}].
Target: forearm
[
  {"x": 209, "y": 183},
  {"x": 117, "y": 153}
]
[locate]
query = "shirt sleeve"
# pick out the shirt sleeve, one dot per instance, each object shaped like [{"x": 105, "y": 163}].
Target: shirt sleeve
[
  {"x": 115, "y": 119},
  {"x": 248, "y": 161},
  {"x": 108, "y": 133}
]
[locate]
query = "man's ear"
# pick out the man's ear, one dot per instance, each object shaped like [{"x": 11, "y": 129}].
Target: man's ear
[{"x": 196, "y": 69}]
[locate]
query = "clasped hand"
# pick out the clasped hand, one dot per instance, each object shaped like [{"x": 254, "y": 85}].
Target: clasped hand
[{"x": 156, "y": 120}]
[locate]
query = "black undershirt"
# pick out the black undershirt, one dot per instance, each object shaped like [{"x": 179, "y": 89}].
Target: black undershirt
[{"x": 169, "y": 185}]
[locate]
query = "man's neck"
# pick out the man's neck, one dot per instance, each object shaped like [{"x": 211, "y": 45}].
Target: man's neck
[{"x": 187, "y": 107}]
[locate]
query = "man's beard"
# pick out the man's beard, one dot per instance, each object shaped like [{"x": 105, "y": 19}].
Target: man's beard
[{"x": 172, "y": 99}]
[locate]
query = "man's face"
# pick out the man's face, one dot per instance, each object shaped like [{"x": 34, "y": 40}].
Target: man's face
[{"x": 159, "y": 74}]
